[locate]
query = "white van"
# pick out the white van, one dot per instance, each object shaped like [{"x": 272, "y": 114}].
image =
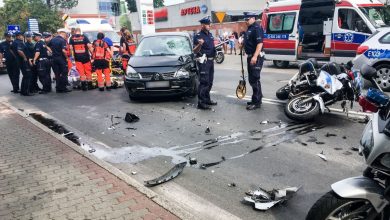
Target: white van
[{"x": 328, "y": 30}]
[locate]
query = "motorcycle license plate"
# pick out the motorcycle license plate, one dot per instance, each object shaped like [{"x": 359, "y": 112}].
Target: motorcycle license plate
[{"x": 158, "y": 84}]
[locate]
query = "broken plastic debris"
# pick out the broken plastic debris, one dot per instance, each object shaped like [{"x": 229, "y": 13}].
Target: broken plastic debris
[
  {"x": 91, "y": 151},
  {"x": 193, "y": 161},
  {"x": 131, "y": 118},
  {"x": 264, "y": 122},
  {"x": 133, "y": 173},
  {"x": 264, "y": 200},
  {"x": 330, "y": 135},
  {"x": 67, "y": 133},
  {"x": 320, "y": 142},
  {"x": 322, "y": 156},
  {"x": 355, "y": 148},
  {"x": 207, "y": 131},
  {"x": 172, "y": 173},
  {"x": 232, "y": 185},
  {"x": 131, "y": 128}
]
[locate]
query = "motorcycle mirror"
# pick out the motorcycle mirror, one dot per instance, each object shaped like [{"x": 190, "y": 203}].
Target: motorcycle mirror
[
  {"x": 349, "y": 65},
  {"x": 368, "y": 72}
]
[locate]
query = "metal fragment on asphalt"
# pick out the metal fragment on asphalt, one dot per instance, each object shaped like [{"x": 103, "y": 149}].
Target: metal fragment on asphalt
[
  {"x": 264, "y": 200},
  {"x": 232, "y": 185},
  {"x": 171, "y": 174},
  {"x": 193, "y": 161},
  {"x": 133, "y": 173},
  {"x": 91, "y": 150},
  {"x": 207, "y": 131},
  {"x": 131, "y": 118},
  {"x": 322, "y": 156}
]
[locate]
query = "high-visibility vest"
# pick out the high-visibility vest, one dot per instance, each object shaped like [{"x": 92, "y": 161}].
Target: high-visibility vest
[
  {"x": 130, "y": 47},
  {"x": 100, "y": 50},
  {"x": 79, "y": 47}
]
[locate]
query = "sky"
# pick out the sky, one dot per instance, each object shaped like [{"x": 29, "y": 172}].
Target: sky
[
  {"x": 168, "y": 2},
  {"x": 1, "y": 3}
]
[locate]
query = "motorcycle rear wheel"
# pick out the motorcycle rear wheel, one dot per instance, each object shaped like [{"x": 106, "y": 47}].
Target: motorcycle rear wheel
[
  {"x": 298, "y": 111},
  {"x": 332, "y": 207},
  {"x": 283, "y": 92},
  {"x": 219, "y": 58}
]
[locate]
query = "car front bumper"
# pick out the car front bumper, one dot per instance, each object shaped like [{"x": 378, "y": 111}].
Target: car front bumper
[{"x": 138, "y": 87}]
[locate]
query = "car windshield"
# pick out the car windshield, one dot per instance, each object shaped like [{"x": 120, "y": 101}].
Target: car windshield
[
  {"x": 378, "y": 16},
  {"x": 164, "y": 46},
  {"x": 92, "y": 35}
]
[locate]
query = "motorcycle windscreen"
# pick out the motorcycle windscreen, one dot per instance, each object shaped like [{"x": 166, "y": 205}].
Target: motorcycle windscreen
[{"x": 328, "y": 82}]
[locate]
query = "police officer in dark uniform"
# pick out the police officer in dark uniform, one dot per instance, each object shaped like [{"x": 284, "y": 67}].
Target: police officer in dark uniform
[
  {"x": 20, "y": 50},
  {"x": 60, "y": 64},
  {"x": 42, "y": 63},
  {"x": 30, "y": 45},
  {"x": 253, "y": 44},
  {"x": 204, "y": 47},
  {"x": 10, "y": 62}
]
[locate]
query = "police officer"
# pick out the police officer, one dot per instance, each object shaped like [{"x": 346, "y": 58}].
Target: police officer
[
  {"x": 60, "y": 64},
  {"x": 204, "y": 47},
  {"x": 10, "y": 61},
  {"x": 253, "y": 44},
  {"x": 20, "y": 50},
  {"x": 42, "y": 64},
  {"x": 30, "y": 45}
]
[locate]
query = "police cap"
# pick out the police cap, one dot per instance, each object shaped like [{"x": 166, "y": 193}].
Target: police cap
[
  {"x": 46, "y": 34},
  {"x": 7, "y": 34},
  {"x": 18, "y": 33},
  {"x": 248, "y": 15},
  {"x": 37, "y": 34},
  {"x": 28, "y": 34},
  {"x": 205, "y": 20}
]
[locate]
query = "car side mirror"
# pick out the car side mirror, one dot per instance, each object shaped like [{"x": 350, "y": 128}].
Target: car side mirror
[{"x": 368, "y": 72}]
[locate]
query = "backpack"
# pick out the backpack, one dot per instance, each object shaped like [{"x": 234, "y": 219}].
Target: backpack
[{"x": 100, "y": 50}]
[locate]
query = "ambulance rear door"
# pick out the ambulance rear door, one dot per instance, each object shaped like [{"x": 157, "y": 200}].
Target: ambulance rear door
[
  {"x": 280, "y": 33},
  {"x": 350, "y": 29}
]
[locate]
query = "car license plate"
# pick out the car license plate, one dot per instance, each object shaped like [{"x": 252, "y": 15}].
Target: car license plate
[{"x": 158, "y": 84}]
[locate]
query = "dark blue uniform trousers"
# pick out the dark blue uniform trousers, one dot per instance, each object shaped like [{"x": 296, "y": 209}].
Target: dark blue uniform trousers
[
  {"x": 14, "y": 74},
  {"x": 60, "y": 69},
  {"x": 26, "y": 80},
  {"x": 206, "y": 78},
  {"x": 254, "y": 79},
  {"x": 44, "y": 71}
]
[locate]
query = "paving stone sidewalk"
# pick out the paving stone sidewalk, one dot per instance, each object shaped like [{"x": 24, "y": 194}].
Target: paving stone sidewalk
[{"x": 42, "y": 178}]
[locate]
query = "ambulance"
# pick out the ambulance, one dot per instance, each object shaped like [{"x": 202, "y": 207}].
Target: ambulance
[{"x": 328, "y": 30}]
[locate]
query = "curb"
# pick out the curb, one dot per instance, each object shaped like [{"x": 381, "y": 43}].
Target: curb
[{"x": 169, "y": 205}]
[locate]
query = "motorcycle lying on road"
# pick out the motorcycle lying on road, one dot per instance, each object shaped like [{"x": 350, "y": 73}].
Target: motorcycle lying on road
[
  {"x": 365, "y": 197},
  {"x": 312, "y": 89},
  {"x": 219, "y": 55}
]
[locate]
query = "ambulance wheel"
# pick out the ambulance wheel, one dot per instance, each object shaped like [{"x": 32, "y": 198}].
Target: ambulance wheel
[
  {"x": 281, "y": 64},
  {"x": 383, "y": 76}
]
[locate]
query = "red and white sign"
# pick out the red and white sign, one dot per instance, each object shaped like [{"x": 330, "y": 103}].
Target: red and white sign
[{"x": 190, "y": 11}]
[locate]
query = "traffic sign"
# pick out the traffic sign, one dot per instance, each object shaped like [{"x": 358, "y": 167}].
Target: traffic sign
[
  {"x": 220, "y": 16},
  {"x": 13, "y": 28},
  {"x": 32, "y": 24}
]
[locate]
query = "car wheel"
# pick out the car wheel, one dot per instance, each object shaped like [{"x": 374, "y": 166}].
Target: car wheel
[
  {"x": 383, "y": 76},
  {"x": 281, "y": 64}
]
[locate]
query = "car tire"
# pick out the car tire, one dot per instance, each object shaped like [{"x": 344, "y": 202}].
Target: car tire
[
  {"x": 383, "y": 76},
  {"x": 281, "y": 64}
]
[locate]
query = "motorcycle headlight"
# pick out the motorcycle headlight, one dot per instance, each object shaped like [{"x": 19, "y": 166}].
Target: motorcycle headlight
[
  {"x": 131, "y": 73},
  {"x": 182, "y": 73},
  {"x": 367, "y": 140}
]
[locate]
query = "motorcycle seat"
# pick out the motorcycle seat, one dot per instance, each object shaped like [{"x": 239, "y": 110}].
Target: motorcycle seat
[{"x": 331, "y": 68}]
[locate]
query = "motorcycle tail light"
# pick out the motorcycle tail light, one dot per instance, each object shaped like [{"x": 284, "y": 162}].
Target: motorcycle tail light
[{"x": 366, "y": 105}]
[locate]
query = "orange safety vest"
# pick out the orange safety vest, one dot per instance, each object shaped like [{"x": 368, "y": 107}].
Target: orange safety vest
[
  {"x": 79, "y": 46},
  {"x": 130, "y": 47},
  {"x": 100, "y": 50}
]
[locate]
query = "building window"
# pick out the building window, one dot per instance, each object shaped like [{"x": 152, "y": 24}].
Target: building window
[{"x": 105, "y": 7}]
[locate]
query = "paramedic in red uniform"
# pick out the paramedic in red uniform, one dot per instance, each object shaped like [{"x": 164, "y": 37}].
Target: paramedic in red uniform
[
  {"x": 81, "y": 47},
  {"x": 101, "y": 56},
  {"x": 129, "y": 47}
]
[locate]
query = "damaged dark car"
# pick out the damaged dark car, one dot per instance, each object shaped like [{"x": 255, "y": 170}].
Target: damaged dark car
[{"x": 163, "y": 65}]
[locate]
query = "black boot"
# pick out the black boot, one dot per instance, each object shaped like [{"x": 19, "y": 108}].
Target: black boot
[
  {"x": 90, "y": 86},
  {"x": 108, "y": 88},
  {"x": 101, "y": 89},
  {"x": 84, "y": 86}
]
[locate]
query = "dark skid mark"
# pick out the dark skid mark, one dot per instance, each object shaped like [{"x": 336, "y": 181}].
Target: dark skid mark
[
  {"x": 207, "y": 165},
  {"x": 60, "y": 190},
  {"x": 330, "y": 135},
  {"x": 320, "y": 142},
  {"x": 298, "y": 127},
  {"x": 211, "y": 147},
  {"x": 256, "y": 149},
  {"x": 338, "y": 148},
  {"x": 211, "y": 142},
  {"x": 310, "y": 129},
  {"x": 54, "y": 126},
  {"x": 171, "y": 174},
  {"x": 347, "y": 153}
]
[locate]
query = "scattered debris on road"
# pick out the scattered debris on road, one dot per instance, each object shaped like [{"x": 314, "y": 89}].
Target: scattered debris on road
[
  {"x": 207, "y": 165},
  {"x": 232, "y": 185},
  {"x": 264, "y": 200},
  {"x": 330, "y": 135},
  {"x": 131, "y": 118},
  {"x": 322, "y": 156},
  {"x": 130, "y": 128},
  {"x": 91, "y": 150},
  {"x": 207, "y": 131},
  {"x": 354, "y": 148},
  {"x": 133, "y": 173},
  {"x": 193, "y": 161},
  {"x": 171, "y": 174},
  {"x": 344, "y": 137},
  {"x": 320, "y": 142},
  {"x": 347, "y": 153}
]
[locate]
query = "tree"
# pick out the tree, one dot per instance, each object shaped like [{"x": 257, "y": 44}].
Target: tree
[
  {"x": 18, "y": 11},
  {"x": 124, "y": 21},
  {"x": 132, "y": 5},
  {"x": 67, "y": 4}
]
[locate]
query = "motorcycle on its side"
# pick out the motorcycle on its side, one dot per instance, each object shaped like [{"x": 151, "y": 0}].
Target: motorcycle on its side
[
  {"x": 368, "y": 196},
  {"x": 219, "y": 55}
]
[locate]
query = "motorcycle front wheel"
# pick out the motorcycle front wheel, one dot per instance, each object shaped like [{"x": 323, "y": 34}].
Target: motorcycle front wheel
[
  {"x": 297, "y": 110},
  {"x": 219, "y": 58},
  {"x": 332, "y": 207},
  {"x": 283, "y": 92}
]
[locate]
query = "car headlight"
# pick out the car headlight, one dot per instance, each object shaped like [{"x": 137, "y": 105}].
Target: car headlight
[
  {"x": 182, "y": 73},
  {"x": 367, "y": 140},
  {"x": 131, "y": 73}
]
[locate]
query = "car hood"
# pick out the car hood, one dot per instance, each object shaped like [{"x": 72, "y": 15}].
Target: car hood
[{"x": 155, "y": 61}]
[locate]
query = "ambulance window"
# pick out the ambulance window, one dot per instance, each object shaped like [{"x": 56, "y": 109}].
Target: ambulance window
[
  {"x": 281, "y": 23},
  {"x": 385, "y": 39},
  {"x": 349, "y": 19}
]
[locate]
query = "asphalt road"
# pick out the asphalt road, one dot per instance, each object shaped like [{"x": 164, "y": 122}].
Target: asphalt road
[{"x": 273, "y": 155}]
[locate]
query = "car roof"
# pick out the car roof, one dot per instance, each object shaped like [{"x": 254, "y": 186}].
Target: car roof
[{"x": 185, "y": 34}]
